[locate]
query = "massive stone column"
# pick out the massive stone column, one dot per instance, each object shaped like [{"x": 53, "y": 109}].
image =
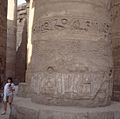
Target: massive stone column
[
  {"x": 11, "y": 38},
  {"x": 3, "y": 38},
  {"x": 70, "y": 64},
  {"x": 116, "y": 47},
  {"x": 71, "y": 60}
]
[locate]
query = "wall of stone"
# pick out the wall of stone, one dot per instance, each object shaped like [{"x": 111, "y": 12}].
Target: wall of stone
[
  {"x": 21, "y": 44},
  {"x": 3, "y": 38},
  {"x": 115, "y": 9}
]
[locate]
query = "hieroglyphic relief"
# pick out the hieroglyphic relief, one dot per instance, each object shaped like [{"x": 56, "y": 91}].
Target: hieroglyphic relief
[
  {"x": 74, "y": 86},
  {"x": 70, "y": 23},
  {"x": 115, "y": 13},
  {"x": 115, "y": 10}
]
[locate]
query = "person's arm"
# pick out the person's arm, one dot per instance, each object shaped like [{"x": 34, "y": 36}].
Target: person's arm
[
  {"x": 5, "y": 91},
  {"x": 12, "y": 88}
]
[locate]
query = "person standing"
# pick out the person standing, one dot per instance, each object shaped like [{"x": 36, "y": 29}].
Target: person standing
[{"x": 9, "y": 89}]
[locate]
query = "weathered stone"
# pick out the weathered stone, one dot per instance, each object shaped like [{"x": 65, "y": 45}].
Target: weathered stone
[
  {"x": 117, "y": 115},
  {"x": 101, "y": 115},
  {"x": 23, "y": 90},
  {"x": 115, "y": 13},
  {"x": 23, "y": 112},
  {"x": 3, "y": 38},
  {"x": 11, "y": 38},
  {"x": 25, "y": 109},
  {"x": 21, "y": 7},
  {"x": 71, "y": 61},
  {"x": 21, "y": 44}
]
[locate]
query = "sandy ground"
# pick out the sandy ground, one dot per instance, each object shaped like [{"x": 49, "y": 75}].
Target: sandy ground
[{"x": 1, "y": 110}]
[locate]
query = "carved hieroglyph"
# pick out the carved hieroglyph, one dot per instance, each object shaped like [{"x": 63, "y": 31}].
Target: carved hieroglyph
[{"x": 71, "y": 61}]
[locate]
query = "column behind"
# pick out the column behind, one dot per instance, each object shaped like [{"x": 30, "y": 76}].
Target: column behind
[
  {"x": 3, "y": 38},
  {"x": 11, "y": 38}
]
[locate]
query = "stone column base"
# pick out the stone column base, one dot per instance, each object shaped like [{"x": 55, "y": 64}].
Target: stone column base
[
  {"x": 23, "y": 90},
  {"x": 23, "y": 108}
]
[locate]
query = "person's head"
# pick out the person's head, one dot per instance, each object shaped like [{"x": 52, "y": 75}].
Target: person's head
[{"x": 9, "y": 80}]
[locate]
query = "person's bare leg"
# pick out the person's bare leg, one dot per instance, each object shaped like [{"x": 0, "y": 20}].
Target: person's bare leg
[
  {"x": 5, "y": 108},
  {"x": 10, "y": 101},
  {"x": 10, "y": 104}
]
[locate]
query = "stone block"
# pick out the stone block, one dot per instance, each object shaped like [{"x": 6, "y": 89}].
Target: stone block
[
  {"x": 23, "y": 90},
  {"x": 25, "y": 109},
  {"x": 117, "y": 115},
  {"x": 24, "y": 113},
  {"x": 101, "y": 115}
]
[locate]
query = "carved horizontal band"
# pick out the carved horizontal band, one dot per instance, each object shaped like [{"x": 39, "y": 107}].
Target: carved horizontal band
[{"x": 71, "y": 24}]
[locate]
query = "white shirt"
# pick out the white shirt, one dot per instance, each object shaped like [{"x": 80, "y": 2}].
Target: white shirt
[{"x": 7, "y": 91}]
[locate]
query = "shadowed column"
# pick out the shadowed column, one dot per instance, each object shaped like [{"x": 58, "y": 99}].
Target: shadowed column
[
  {"x": 3, "y": 38},
  {"x": 115, "y": 10}
]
